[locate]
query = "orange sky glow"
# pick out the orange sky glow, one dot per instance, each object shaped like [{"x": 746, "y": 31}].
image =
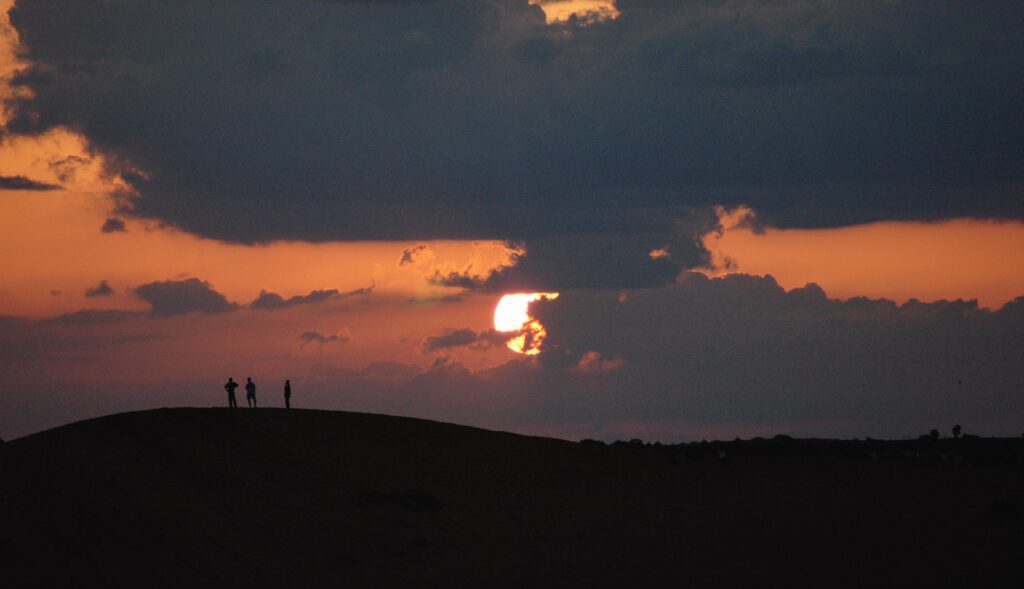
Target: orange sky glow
[
  {"x": 383, "y": 308},
  {"x": 954, "y": 259}
]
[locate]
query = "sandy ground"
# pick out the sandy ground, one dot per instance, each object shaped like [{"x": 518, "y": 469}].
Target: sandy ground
[{"x": 218, "y": 497}]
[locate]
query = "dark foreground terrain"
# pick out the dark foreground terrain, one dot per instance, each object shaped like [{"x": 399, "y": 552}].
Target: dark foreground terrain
[{"x": 213, "y": 497}]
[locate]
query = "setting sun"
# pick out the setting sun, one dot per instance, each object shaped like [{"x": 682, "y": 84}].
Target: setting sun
[{"x": 513, "y": 314}]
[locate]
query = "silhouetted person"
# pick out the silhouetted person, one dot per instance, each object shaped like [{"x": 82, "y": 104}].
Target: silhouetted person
[
  {"x": 250, "y": 392},
  {"x": 956, "y": 431},
  {"x": 230, "y": 387},
  {"x": 934, "y": 434},
  {"x": 287, "y": 394}
]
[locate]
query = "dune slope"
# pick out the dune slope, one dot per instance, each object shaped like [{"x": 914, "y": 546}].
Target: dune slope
[{"x": 215, "y": 497}]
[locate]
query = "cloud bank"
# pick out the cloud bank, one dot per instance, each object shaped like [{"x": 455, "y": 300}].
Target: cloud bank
[
  {"x": 476, "y": 119},
  {"x": 723, "y": 357}
]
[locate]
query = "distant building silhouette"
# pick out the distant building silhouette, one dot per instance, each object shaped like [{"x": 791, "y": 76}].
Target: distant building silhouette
[
  {"x": 287, "y": 394},
  {"x": 250, "y": 392},
  {"x": 230, "y": 387}
]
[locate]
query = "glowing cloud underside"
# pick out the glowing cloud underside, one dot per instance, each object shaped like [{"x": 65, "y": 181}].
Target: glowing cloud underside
[
  {"x": 513, "y": 314},
  {"x": 585, "y": 11}
]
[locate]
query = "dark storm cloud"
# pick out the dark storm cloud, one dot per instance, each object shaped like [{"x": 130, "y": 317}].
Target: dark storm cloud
[
  {"x": 474, "y": 119},
  {"x": 23, "y": 183},
  {"x": 178, "y": 297},
  {"x": 271, "y": 301},
  {"x": 113, "y": 225},
  {"x": 612, "y": 261},
  {"x": 743, "y": 346},
  {"x": 724, "y": 357},
  {"x": 100, "y": 290}
]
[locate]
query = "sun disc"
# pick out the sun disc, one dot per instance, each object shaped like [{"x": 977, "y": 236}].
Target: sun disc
[{"x": 513, "y": 314}]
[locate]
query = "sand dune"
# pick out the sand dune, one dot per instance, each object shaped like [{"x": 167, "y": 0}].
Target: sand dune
[{"x": 214, "y": 497}]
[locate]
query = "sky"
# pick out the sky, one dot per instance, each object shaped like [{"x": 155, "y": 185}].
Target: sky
[{"x": 759, "y": 217}]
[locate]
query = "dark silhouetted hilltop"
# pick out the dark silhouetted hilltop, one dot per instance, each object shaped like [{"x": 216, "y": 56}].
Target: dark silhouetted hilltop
[{"x": 218, "y": 497}]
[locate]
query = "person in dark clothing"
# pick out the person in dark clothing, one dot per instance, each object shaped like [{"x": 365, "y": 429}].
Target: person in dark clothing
[
  {"x": 230, "y": 387},
  {"x": 287, "y": 394},
  {"x": 250, "y": 392}
]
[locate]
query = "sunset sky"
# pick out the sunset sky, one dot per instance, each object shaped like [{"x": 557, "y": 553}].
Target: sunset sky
[{"x": 750, "y": 217}]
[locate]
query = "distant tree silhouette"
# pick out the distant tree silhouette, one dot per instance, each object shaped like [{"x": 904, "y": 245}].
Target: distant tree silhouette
[
  {"x": 956, "y": 431},
  {"x": 934, "y": 434}
]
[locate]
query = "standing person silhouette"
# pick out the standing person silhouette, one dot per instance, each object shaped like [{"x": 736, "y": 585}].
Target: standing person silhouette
[
  {"x": 250, "y": 392},
  {"x": 230, "y": 387},
  {"x": 287, "y": 394}
]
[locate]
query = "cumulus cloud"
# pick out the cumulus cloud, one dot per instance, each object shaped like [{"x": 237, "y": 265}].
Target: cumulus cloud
[
  {"x": 178, "y": 297},
  {"x": 474, "y": 118},
  {"x": 100, "y": 290},
  {"x": 23, "y": 183}
]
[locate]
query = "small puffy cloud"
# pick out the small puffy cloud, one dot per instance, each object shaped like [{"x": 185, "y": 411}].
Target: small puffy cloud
[
  {"x": 271, "y": 301},
  {"x": 457, "y": 279},
  {"x": 366, "y": 290},
  {"x": 65, "y": 168},
  {"x": 100, "y": 290},
  {"x": 23, "y": 183},
  {"x": 315, "y": 337},
  {"x": 449, "y": 339},
  {"x": 178, "y": 297},
  {"x": 113, "y": 225},
  {"x": 411, "y": 254},
  {"x": 466, "y": 337}
]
